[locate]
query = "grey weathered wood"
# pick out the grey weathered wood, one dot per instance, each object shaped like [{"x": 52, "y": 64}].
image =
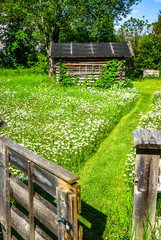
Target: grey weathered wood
[
  {"x": 62, "y": 210},
  {"x": 42, "y": 177},
  {"x": 67, "y": 207},
  {"x": 146, "y": 179},
  {"x": 76, "y": 189},
  {"x": 21, "y": 224},
  {"x": 44, "y": 211},
  {"x": 38, "y": 169},
  {"x": 5, "y": 218},
  {"x": 31, "y": 200},
  {"x": 42, "y": 162},
  {"x": 146, "y": 138},
  {"x": 13, "y": 238}
]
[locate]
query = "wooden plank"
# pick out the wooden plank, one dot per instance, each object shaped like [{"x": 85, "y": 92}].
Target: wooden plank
[
  {"x": 147, "y": 161},
  {"x": 72, "y": 214},
  {"x": 42, "y": 162},
  {"x": 145, "y": 191},
  {"x": 76, "y": 189},
  {"x": 80, "y": 233},
  {"x": 5, "y": 217},
  {"x": 62, "y": 210},
  {"x": 31, "y": 200},
  {"x": 159, "y": 179},
  {"x": 44, "y": 211},
  {"x": 67, "y": 208},
  {"x": 21, "y": 224},
  {"x": 42, "y": 177},
  {"x": 147, "y": 138},
  {"x": 13, "y": 238}
]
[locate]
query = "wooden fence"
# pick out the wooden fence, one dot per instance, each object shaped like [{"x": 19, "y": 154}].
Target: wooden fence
[
  {"x": 146, "y": 182},
  {"x": 56, "y": 181}
]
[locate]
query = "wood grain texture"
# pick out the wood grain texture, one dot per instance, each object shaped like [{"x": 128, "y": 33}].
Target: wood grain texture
[
  {"x": 31, "y": 200},
  {"x": 145, "y": 191},
  {"x": 44, "y": 211},
  {"x": 21, "y": 224},
  {"x": 42, "y": 162},
  {"x": 147, "y": 143},
  {"x": 5, "y": 217},
  {"x": 147, "y": 138}
]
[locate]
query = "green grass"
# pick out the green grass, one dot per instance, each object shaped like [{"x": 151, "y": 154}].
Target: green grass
[
  {"x": 63, "y": 124},
  {"x": 104, "y": 191}
]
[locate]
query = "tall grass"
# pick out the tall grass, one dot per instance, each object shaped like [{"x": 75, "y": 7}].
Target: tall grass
[{"x": 64, "y": 125}]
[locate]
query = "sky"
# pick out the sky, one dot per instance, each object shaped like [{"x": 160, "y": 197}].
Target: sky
[{"x": 147, "y": 8}]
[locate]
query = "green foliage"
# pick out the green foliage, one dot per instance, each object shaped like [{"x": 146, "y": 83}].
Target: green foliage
[
  {"x": 132, "y": 30},
  {"x": 16, "y": 35},
  {"x": 28, "y": 24},
  {"x": 146, "y": 42},
  {"x": 64, "y": 79},
  {"x": 41, "y": 65},
  {"x": 109, "y": 73}
]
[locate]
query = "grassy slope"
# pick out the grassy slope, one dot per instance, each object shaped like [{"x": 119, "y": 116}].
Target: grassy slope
[{"x": 105, "y": 207}]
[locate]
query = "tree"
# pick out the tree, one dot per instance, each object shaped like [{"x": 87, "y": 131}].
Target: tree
[
  {"x": 68, "y": 20},
  {"x": 132, "y": 30},
  {"x": 16, "y": 36},
  {"x": 149, "y": 49}
]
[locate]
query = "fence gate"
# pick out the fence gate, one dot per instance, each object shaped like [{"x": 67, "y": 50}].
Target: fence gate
[{"x": 43, "y": 219}]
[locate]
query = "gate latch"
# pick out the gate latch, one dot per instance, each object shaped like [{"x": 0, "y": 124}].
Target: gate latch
[{"x": 68, "y": 224}]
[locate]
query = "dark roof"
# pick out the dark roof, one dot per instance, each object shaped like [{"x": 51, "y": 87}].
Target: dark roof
[{"x": 91, "y": 50}]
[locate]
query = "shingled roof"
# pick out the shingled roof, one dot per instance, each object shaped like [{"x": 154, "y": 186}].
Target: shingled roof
[{"x": 91, "y": 50}]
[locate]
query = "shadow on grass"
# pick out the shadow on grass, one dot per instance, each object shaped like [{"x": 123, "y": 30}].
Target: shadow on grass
[{"x": 93, "y": 222}]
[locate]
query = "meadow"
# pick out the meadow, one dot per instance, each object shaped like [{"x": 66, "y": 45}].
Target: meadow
[{"x": 63, "y": 124}]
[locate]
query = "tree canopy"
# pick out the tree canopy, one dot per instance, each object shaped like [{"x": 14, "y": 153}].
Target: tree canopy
[{"x": 33, "y": 22}]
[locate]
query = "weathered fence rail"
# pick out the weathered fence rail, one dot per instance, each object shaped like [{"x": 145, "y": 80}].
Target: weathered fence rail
[
  {"x": 147, "y": 166},
  {"x": 58, "y": 182}
]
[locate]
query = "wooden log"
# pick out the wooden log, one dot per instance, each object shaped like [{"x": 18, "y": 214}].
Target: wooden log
[
  {"x": 21, "y": 224},
  {"x": 5, "y": 218},
  {"x": 42, "y": 162},
  {"x": 146, "y": 180},
  {"x": 44, "y": 211}
]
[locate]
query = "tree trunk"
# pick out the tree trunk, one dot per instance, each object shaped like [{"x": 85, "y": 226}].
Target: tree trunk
[
  {"x": 50, "y": 63},
  {"x": 51, "y": 67}
]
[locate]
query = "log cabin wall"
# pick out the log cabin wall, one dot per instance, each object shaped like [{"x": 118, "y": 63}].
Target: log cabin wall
[
  {"x": 82, "y": 68},
  {"x": 82, "y": 59}
]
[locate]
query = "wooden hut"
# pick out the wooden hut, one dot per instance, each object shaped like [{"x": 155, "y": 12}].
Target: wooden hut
[{"x": 82, "y": 59}]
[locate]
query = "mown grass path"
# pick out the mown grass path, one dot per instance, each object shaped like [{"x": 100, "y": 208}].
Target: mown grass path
[{"x": 106, "y": 210}]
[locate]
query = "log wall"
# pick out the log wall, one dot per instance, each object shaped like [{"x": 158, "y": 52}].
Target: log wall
[
  {"x": 61, "y": 184},
  {"x": 83, "y": 68}
]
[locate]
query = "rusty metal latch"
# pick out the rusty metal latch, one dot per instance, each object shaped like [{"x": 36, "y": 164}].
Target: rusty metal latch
[{"x": 66, "y": 222}]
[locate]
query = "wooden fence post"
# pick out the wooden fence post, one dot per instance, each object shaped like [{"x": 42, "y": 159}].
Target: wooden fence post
[
  {"x": 147, "y": 143},
  {"x": 5, "y": 215}
]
